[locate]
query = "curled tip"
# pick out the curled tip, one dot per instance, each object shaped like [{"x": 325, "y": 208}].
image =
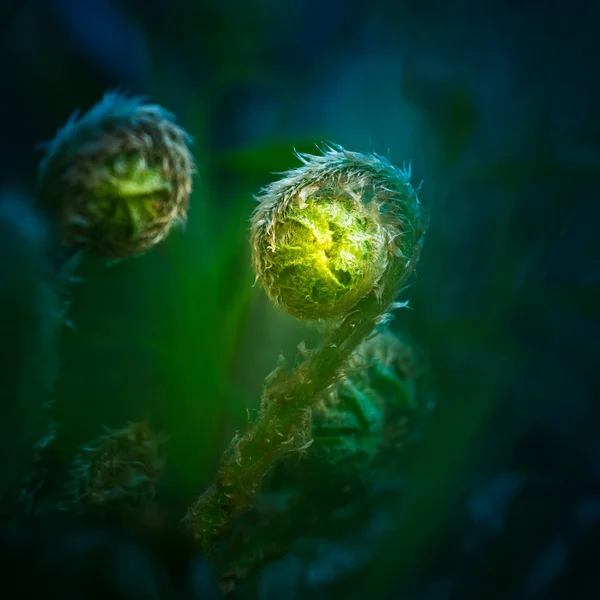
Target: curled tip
[
  {"x": 326, "y": 234},
  {"x": 116, "y": 179}
]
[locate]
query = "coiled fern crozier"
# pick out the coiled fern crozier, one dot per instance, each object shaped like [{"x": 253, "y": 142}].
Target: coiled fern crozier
[
  {"x": 115, "y": 180},
  {"x": 333, "y": 242}
]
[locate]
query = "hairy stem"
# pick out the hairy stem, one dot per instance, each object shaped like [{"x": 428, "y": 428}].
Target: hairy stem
[{"x": 283, "y": 425}]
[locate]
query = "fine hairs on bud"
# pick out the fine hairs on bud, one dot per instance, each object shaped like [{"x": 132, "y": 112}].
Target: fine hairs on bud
[
  {"x": 324, "y": 235},
  {"x": 115, "y": 180}
]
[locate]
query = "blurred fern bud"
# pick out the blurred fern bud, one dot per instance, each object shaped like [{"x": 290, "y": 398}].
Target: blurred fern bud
[
  {"x": 369, "y": 409},
  {"x": 324, "y": 235},
  {"x": 116, "y": 179},
  {"x": 118, "y": 470}
]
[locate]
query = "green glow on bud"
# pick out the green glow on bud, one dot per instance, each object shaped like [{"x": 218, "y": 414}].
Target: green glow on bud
[
  {"x": 324, "y": 235},
  {"x": 325, "y": 256},
  {"x": 133, "y": 176}
]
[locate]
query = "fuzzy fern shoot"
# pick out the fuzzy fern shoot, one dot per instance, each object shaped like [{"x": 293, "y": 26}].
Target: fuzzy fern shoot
[
  {"x": 116, "y": 179},
  {"x": 333, "y": 240},
  {"x": 323, "y": 236}
]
